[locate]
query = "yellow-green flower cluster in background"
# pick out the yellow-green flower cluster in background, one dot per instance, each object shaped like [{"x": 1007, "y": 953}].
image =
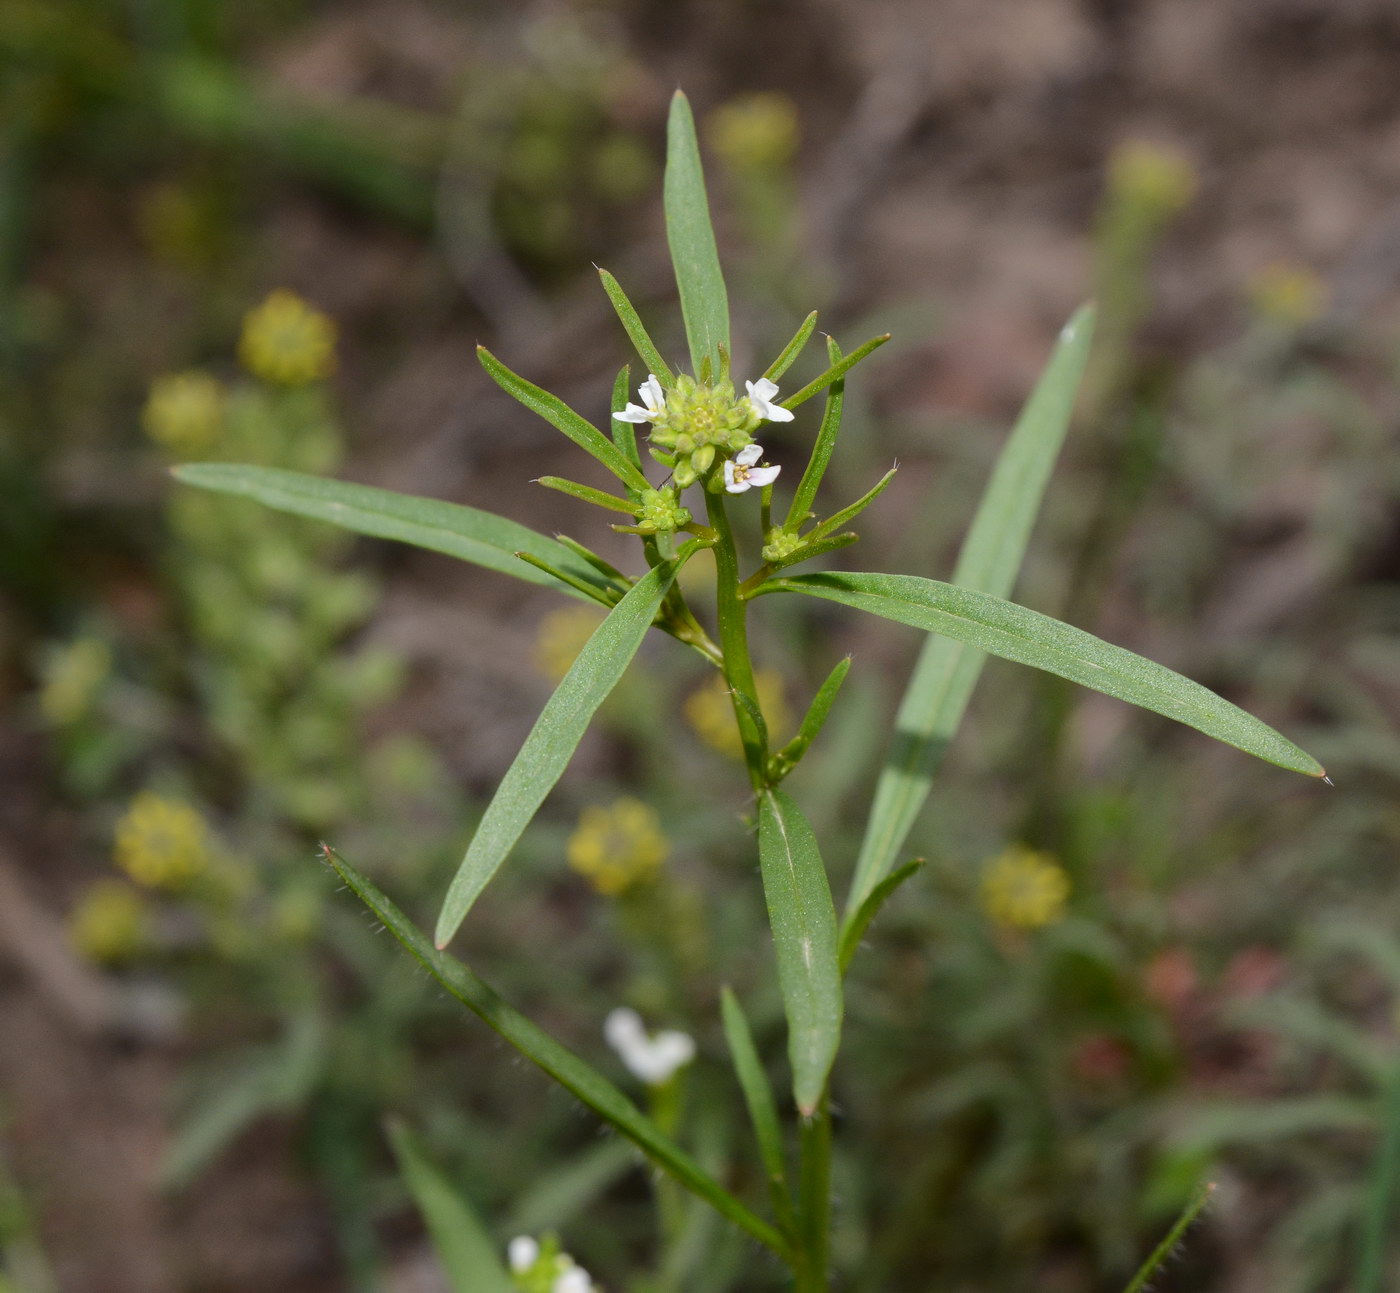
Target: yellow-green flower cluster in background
[
  {"x": 287, "y": 342},
  {"x": 1151, "y": 178},
  {"x": 110, "y": 923},
  {"x": 184, "y": 413},
  {"x": 755, "y": 132},
  {"x": 710, "y": 711},
  {"x": 72, "y": 678},
  {"x": 1024, "y": 889},
  {"x": 619, "y": 846},
  {"x": 162, "y": 843},
  {"x": 1288, "y": 295},
  {"x": 561, "y": 637}
]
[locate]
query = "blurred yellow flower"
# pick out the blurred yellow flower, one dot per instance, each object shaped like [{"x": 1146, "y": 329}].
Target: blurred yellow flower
[
  {"x": 287, "y": 342},
  {"x": 710, "y": 711},
  {"x": 72, "y": 675},
  {"x": 618, "y": 847},
  {"x": 561, "y": 637},
  {"x": 1287, "y": 294},
  {"x": 109, "y": 924},
  {"x": 755, "y": 131},
  {"x": 1024, "y": 889},
  {"x": 184, "y": 412},
  {"x": 1151, "y": 177},
  {"x": 162, "y": 843}
]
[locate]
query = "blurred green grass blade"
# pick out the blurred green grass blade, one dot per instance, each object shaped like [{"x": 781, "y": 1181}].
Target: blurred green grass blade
[
  {"x": 555, "y": 1198},
  {"x": 1162, "y": 1253},
  {"x": 763, "y": 1112},
  {"x": 464, "y": 1246},
  {"x": 553, "y": 740},
  {"x": 806, "y": 494},
  {"x": 854, "y": 929},
  {"x": 789, "y": 354},
  {"x": 704, "y": 302},
  {"x": 804, "y": 935},
  {"x": 1013, "y": 632},
  {"x": 636, "y": 330},
  {"x": 837, "y": 370},
  {"x": 815, "y": 718},
  {"x": 464, "y": 532},
  {"x": 560, "y": 416},
  {"x": 580, "y": 1079},
  {"x": 1379, "y": 1222},
  {"x": 947, "y": 671}
]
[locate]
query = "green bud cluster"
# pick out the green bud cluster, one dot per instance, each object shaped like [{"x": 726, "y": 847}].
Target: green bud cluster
[
  {"x": 659, "y": 512},
  {"x": 780, "y": 544},
  {"x": 699, "y": 422}
]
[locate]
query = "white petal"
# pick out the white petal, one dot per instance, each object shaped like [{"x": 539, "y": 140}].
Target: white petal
[
  {"x": 623, "y": 1029},
  {"x": 523, "y": 1252},
  {"x": 777, "y": 413},
  {"x": 729, "y": 478},
  {"x": 652, "y": 394},
  {"x": 761, "y": 476},
  {"x": 748, "y": 455},
  {"x": 762, "y": 389},
  {"x": 573, "y": 1280},
  {"x": 674, "y": 1048},
  {"x": 634, "y": 413}
]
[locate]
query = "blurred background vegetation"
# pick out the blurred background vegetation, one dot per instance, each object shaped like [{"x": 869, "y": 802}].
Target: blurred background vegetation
[{"x": 272, "y": 232}]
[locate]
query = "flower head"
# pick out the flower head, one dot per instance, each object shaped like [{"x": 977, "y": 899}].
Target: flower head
[
  {"x": 109, "y": 924},
  {"x": 740, "y": 474},
  {"x": 653, "y": 405},
  {"x": 287, "y": 342},
  {"x": 162, "y": 843},
  {"x": 184, "y": 412},
  {"x": 541, "y": 1266},
  {"x": 73, "y": 676},
  {"x": 653, "y": 1059},
  {"x": 618, "y": 847},
  {"x": 1024, "y": 889}
]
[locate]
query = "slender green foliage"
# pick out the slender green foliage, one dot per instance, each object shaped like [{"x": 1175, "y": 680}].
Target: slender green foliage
[
  {"x": 1162, "y": 1253},
  {"x": 830, "y": 428},
  {"x": 795, "y": 347},
  {"x": 632, "y": 322}
]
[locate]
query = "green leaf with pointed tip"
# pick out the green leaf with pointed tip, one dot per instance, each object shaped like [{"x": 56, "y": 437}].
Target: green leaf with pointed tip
[
  {"x": 583, "y": 1081},
  {"x": 789, "y": 353},
  {"x": 636, "y": 330},
  {"x": 803, "y": 921},
  {"x": 464, "y": 532},
  {"x": 855, "y": 509},
  {"x": 560, "y": 416},
  {"x": 822, "y": 448},
  {"x": 1015, "y": 633},
  {"x": 791, "y": 754},
  {"x": 942, "y": 682},
  {"x": 854, "y": 929},
  {"x": 624, "y": 434},
  {"x": 839, "y": 369},
  {"x": 555, "y": 737},
  {"x": 1164, "y": 1251},
  {"x": 464, "y": 1246},
  {"x": 704, "y": 301}
]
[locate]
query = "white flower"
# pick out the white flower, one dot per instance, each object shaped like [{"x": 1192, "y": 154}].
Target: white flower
[
  {"x": 761, "y": 395},
  {"x": 653, "y": 397},
  {"x": 522, "y": 1252},
  {"x": 653, "y": 1059},
  {"x": 573, "y": 1280},
  {"x": 741, "y": 474}
]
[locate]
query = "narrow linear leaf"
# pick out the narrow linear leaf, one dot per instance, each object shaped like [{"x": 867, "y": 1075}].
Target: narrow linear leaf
[
  {"x": 577, "y": 1077},
  {"x": 1378, "y": 1226},
  {"x": 763, "y": 1111},
  {"x": 942, "y": 682},
  {"x": 1015, "y": 633},
  {"x": 632, "y": 322},
  {"x": 704, "y": 301},
  {"x": 821, "y": 451},
  {"x": 815, "y": 719},
  {"x": 586, "y": 493},
  {"x": 854, "y": 929},
  {"x": 624, "y": 434},
  {"x": 605, "y": 597},
  {"x": 464, "y": 532},
  {"x": 838, "y": 369},
  {"x": 560, "y": 416},
  {"x": 819, "y": 548},
  {"x": 855, "y": 509},
  {"x": 463, "y": 1244},
  {"x": 554, "y": 738},
  {"x": 1163, "y": 1251},
  {"x": 793, "y": 348},
  {"x": 803, "y": 921}
]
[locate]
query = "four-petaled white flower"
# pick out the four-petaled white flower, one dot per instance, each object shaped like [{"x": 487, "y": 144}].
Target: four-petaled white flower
[
  {"x": 761, "y": 395},
  {"x": 741, "y": 474},
  {"x": 654, "y": 399},
  {"x": 653, "y": 1059},
  {"x": 522, "y": 1253}
]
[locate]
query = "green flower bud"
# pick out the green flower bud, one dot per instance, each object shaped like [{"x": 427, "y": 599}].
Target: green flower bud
[
  {"x": 684, "y": 475},
  {"x": 660, "y": 512},
  {"x": 780, "y": 544},
  {"x": 703, "y": 459}
]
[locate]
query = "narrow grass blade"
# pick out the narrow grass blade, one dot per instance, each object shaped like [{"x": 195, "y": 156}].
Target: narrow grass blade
[
  {"x": 464, "y": 1246},
  {"x": 763, "y": 1111},
  {"x": 838, "y": 369},
  {"x": 464, "y": 532},
  {"x": 604, "y": 597},
  {"x": 1015, "y": 633},
  {"x": 806, "y": 494},
  {"x": 553, "y": 740},
  {"x": 586, "y": 493},
  {"x": 624, "y": 434},
  {"x": 854, "y": 929},
  {"x": 855, "y": 509},
  {"x": 793, "y": 348},
  {"x": 791, "y": 754},
  {"x": 704, "y": 302},
  {"x": 580, "y": 1079},
  {"x": 1162, "y": 1253},
  {"x": 803, "y": 921},
  {"x": 641, "y": 339},
  {"x": 560, "y": 416},
  {"x": 947, "y": 671},
  {"x": 1379, "y": 1226}
]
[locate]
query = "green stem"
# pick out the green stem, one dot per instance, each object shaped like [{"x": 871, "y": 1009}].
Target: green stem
[
  {"x": 1378, "y": 1226},
  {"x": 815, "y": 1200},
  {"x": 732, "y": 613}
]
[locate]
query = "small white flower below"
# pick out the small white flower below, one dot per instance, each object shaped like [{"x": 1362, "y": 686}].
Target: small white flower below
[
  {"x": 761, "y": 395},
  {"x": 652, "y": 1059},
  {"x": 574, "y": 1280},
  {"x": 740, "y": 474},
  {"x": 654, "y": 400},
  {"x": 522, "y": 1253}
]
